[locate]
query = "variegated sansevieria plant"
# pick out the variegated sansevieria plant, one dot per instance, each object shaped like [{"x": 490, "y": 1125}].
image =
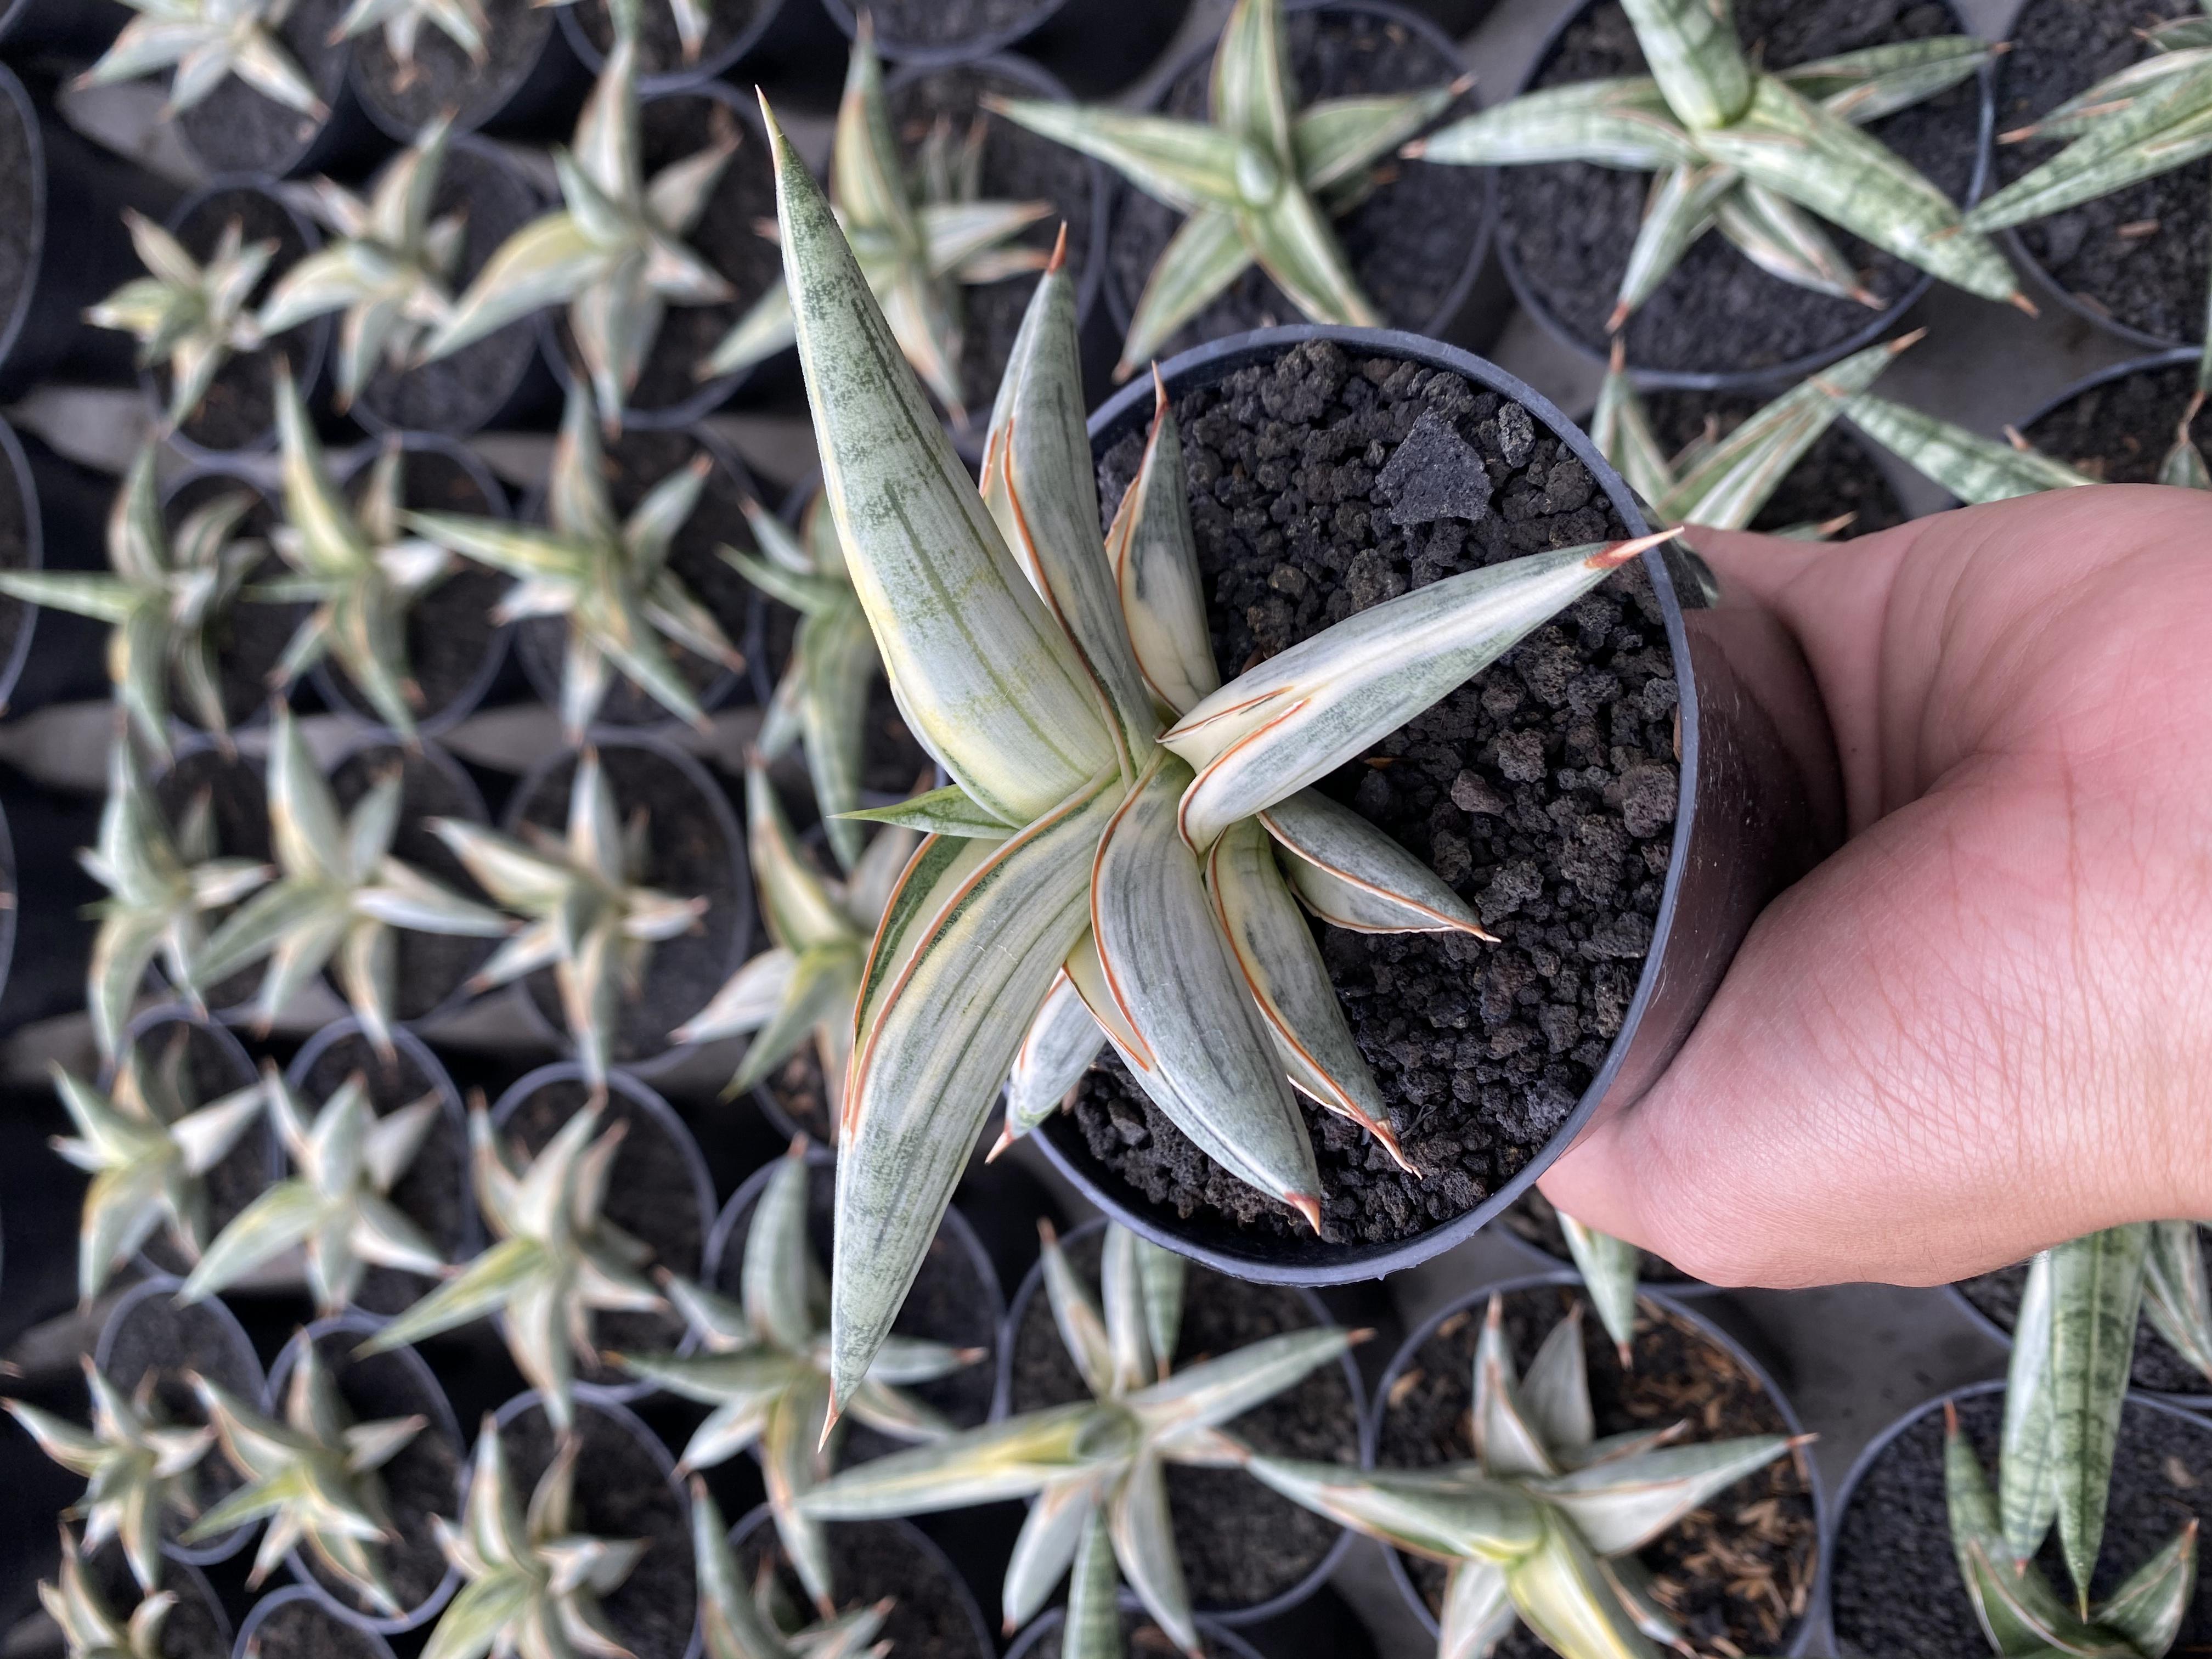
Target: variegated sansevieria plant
[
  {"x": 555, "y": 1259},
  {"x": 339, "y": 896},
  {"x": 614, "y": 252},
  {"x": 1760, "y": 156},
  {"x": 314, "y": 1477},
  {"x": 1258, "y": 183},
  {"x": 387, "y": 270},
  {"x": 161, "y": 890},
  {"x": 584, "y": 912},
  {"x": 462, "y": 22},
  {"x": 764, "y": 1370},
  {"x": 161, "y": 595},
  {"x": 761, "y": 1624},
  {"x": 208, "y": 41},
  {"x": 1097, "y": 1471},
  {"x": 1038, "y": 663},
  {"x": 354, "y": 564},
  {"x": 610, "y": 578},
  {"x": 337, "y": 1206},
  {"x": 918, "y": 242},
  {"x": 134, "y": 1461},
  {"x": 2020, "y": 1612},
  {"x": 806, "y": 983},
  {"x": 2073, "y": 1343},
  {"x": 89, "y": 1625},
  {"x": 191, "y": 315},
  {"x": 1610, "y": 1267},
  {"x": 1542, "y": 1527},
  {"x": 533, "y": 1584},
  {"x": 148, "y": 1145}
]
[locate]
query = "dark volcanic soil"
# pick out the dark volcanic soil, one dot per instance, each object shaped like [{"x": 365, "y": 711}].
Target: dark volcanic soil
[{"x": 2121, "y": 430}]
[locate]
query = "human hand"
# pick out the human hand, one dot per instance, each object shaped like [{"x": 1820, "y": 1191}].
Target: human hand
[{"x": 1984, "y": 1024}]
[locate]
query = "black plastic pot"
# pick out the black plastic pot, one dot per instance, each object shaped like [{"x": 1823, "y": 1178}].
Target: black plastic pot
[
  {"x": 1530, "y": 296},
  {"x": 782, "y": 37},
  {"x": 58, "y": 656},
  {"x": 538, "y": 100},
  {"x": 1759, "y": 806},
  {"x": 298, "y": 1602},
  {"x": 1454, "y": 316},
  {"x": 1218, "y": 1639},
  {"x": 45, "y": 937},
  {"x": 1808, "y": 1623},
  {"x": 342, "y": 141},
  {"x": 912, "y": 1534},
  {"x": 1095, "y": 46},
  {"x": 2183, "y": 359},
  {"x": 431, "y": 1402},
  {"x": 79, "y": 251},
  {"x": 69, "y": 28}
]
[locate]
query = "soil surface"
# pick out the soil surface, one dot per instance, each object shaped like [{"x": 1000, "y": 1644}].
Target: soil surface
[
  {"x": 621, "y": 1492},
  {"x": 687, "y": 856},
  {"x": 1019, "y": 165},
  {"x": 1571, "y": 225},
  {"x": 210, "y": 1070},
  {"x": 2120, "y": 431},
  {"x": 443, "y": 77},
  {"x": 1408, "y": 243},
  {"x": 1139, "y": 1637},
  {"x": 302, "y": 1630},
  {"x": 2157, "y": 1367},
  {"x": 20, "y": 230},
  {"x": 159, "y": 1338},
  {"x": 1544, "y": 790},
  {"x": 461, "y": 393},
  {"x": 649, "y": 1195},
  {"x": 239, "y": 409},
  {"x": 423, "y": 1480},
  {"x": 1240, "y": 1543},
  {"x": 660, "y": 46},
  {"x": 636, "y": 462},
  {"x": 1738, "y": 1570},
  {"x": 1533, "y": 1221},
  {"x": 1896, "y": 1592},
  {"x": 237, "y": 130},
  {"x": 917, "y": 24},
  {"x": 1837, "y": 475},
  {"x": 15, "y": 551},
  {"x": 2138, "y": 256},
  {"x": 237, "y": 803},
  {"x": 931, "y": 1616},
  {"x": 797, "y": 1088},
  {"x": 432, "y": 1191},
  {"x": 194, "y": 1628}
]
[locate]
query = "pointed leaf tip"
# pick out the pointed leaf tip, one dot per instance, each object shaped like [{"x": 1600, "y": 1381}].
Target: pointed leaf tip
[
  {"x": 1059, "y": 259},
  {"x": 1307, "y": 1205},
  {"x": 1616, "y": 554}
]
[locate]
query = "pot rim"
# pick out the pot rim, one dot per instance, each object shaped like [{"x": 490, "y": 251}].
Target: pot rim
[
  {"x": 1372, "y": 1429},
  {"x": 762, "y": 1515},
  {"x": 843, "y": 13},
  {"x": 710, "y": 67},
  {"x": 2166, "y": 358},
  {"x": 1529, "y": 298},
  {"x": 2196, "y": 1404},
  {"x": 166, "y": 1285},
  {"x": 18, "y": 462},
  {"x": 1002, "y": 1398},
  {"x": 34, "y": 256},
  {"x": 1121, "y": 309},
  {"x": 467, "y": 124},
  {"x": 1267, "y": 1260},
  {"x": 442, "y": 1421},
  {"x": 248, "y": 1646},
  {"x": 1228, "y": 1639}
]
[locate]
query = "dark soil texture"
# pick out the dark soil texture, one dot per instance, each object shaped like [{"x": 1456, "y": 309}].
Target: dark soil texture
[
  {"x": 249, "y": 637},
  {"x": 1571, "y": 225},
  {"x": 239, "y": 805},
  {"x": 621, "y": 1492},
  {"x": 194, "y": 1628},
  {"x": 676, "y": 127},
  {"x": 1895, "y": 1593},
  {"x": 649, "y": 1196},
  {"x": 449, "y": 631},
  {"x": 1838, "y": 474},
  {"x": 1533, "y": 1221},
  {"x": 2157, "y": 1367},
  {"x": 157, "y": 1337},
  {"x": 636, "y": 463},
  {"x": 1139, "y": 1637},
  {"x": 210, "y": 1070},
  {"x": 461, "y": 393},
  {"x": 660, "y": 48},
  {"x": 15, "y": 550},
  {"x": 952, "y": 1300},
  {"x": 1240, "y": 1544},
  {"x": 1017, "y": 167},
  {"x": 935, "y": 24},
  {"x": 237, "y": 130},
  {"x": 443, "y": 77},
  {"x": 931, "y": 1616},
  {"x": 423, "y": 1480},
  {"x": 239, "y": 409},
  {"x": 2140, "y": 255},
  {"x": 429, "y": 966},
  {"x": 2120, "y": 431},
  {"x": 20, "y": 230},
  {"x": 302, "y": 1630},
  {"x": 1408, "y": 243},
  {"x": 797, "y": 1088},
  {"x": 688, "y": 854},
  {"x": 1544, "y": 791},
  {"x": 1741, "y": 1570},
  {"x": 434, "y": 1191}
]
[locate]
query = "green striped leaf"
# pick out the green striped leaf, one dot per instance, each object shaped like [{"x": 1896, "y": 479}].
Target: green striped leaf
[
  {"x": 1616, "y": 124},
  {"x": 1678, "y": 211},
  {"x": 1562, "y": 1594},
  {"x": 2097, "y": 103},
  {"x": 1621, "y": 1505},
  {"x": 1556, "y": 1389},
  {"x": 2096, "y": 1296},
  {"x": 2159, "y": 130},
  {"x": 1219, "y": 1391},
  {"x": 1692, "y": 47},
  {"x": 1352, "y": 875},
  {"x": 1010, "y": 1459},
  {"x": 1336, "y": 139},
  {"x": 1181, "y": 163},
  {"x": 1155, "y": 562},
  {"x": 1093, "y": 1630},
  {"x": 946, "y": 812},
  {"x": 1441, "y": 1513},
  {"x": 1061, "y": 1042},
  {"x": 1478, "y": 1611},
  {"x": 1144, "y": 1543},
  {"x": 1292, "y": 239},
  {"x": 2148, "y": 1608},
  {"x": 1609, "y": 1268},
  {"x": 2028, "y": 1463},
  {"x": 1620, "y": 427},
  {"x": 2176, "y": 1297},
  {"x": 1050, "y": 1535},
  {"x": 1207, "y": 253},
  {"x": 1972, "y": 467},
  {"x": 1866, "y": 85},
  {"x": 1783, "y": 241}
]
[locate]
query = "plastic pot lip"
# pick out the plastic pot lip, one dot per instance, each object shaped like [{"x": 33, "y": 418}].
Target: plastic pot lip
[
  {"x": 165, "y": 1285},
  {"x": 442, "y": 1421},
  {"x": 247, "y": 1645},
  {"x": 466, "y": 125},
  {"x": 18, "y": 462},
  {"x": 1530, "y": 298},
  {"x": 843, "y": 13},
  {"x": 762, "y": 1515},
  {"x": 709, "y": 68},
  {"x": 1224, "y": 1638},
  {"x": 609, "y": 1404},
  {"x": 2168, "y": 357},
  {"x": 317, "y": 329},
  {"x": 18, "y": 99},
  {"x": 1121, "y": 308},
  {"x": 189, "y": 1572},
  {"x": 1815, "y": 1601},
  {"x": 1302, "y": 1263},
  {"x": 1002, "y": 1397},
  {"x": 2199, "y": 1405}
]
